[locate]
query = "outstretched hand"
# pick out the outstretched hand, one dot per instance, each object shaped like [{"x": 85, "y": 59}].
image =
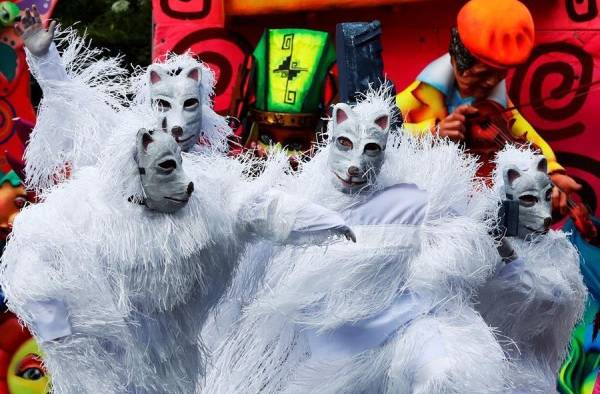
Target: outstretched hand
[
  {"x": 348, "y": 233},
  {"x": 37, "y": 39}
]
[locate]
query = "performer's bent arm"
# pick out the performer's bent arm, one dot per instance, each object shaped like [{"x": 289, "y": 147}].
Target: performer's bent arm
[{"x": 288, "y": 219}]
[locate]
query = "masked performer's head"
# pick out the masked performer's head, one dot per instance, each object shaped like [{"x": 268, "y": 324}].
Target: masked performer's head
[{"x": 358, "y": 138}]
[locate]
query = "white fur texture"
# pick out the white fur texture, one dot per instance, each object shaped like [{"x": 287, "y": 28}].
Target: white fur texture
[
  {"x": 81, "y": 107},
  {"x": 138, "y": 284},
  {"x": 323, "y": 288},
  {"x": 76, "y": 114}
]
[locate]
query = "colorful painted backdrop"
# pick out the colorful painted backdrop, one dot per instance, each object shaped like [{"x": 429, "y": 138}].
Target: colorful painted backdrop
[{"x": 223, "y": 33}]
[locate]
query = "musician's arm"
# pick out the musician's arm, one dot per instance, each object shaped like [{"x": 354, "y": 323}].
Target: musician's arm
[
  {"x": 422, "y": 107},
  {"x": 522, "y": 128}
]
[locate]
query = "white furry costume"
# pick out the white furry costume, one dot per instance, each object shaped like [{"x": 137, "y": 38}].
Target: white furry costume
[
  {"x": 536, "y": 300},
  {"x": 136, "y": 285},
  {"x": 390, "y": 313},
  {"x": 73, "y": 135}
]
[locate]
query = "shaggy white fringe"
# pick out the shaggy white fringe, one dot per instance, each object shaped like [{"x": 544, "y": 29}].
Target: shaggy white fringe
[
  {"x": 75, "y": 116},
  {"x": 138, "y": 284},
  {"x": 265, "y": 351}
]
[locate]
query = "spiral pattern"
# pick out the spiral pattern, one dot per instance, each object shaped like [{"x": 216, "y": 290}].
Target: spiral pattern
[{"x": 555, "y": 59}]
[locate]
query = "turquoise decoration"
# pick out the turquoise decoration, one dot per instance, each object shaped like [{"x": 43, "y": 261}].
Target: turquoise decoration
[{"x": 12, "y": 178}]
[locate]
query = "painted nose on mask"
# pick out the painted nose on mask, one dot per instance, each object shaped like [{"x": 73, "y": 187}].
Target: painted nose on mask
[
  {"x": 177, "y": 131},
  {"x": 190, "y": 188},
  {"x": 353, "y": 171}
]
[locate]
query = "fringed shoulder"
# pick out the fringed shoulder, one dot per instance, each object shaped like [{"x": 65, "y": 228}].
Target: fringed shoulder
[{"x": 77, "y": 111}]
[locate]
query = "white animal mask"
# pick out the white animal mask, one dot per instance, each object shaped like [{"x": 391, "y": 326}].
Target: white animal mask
[
  {"x": 531, "y": 187},
  {"x": 176, "y": 97},
  {"x": 358, "y": 141},
  {"x": 165, "y": 185}
]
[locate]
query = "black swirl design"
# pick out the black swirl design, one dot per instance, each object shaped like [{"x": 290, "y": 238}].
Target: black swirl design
[{"x": 569, "y": 77}]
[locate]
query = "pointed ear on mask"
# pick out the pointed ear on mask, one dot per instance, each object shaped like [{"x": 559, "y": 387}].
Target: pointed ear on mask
[
  {"x": 144, "y": 138},
  {"x": 156, "y": 73},
  {"x": 194, "y": 72},
  {"x": 341, "y": 113},
  {"x": 382, "y": 121},
  {"x": 542, "y": 165},
  {"x": 511, "y": 174}
]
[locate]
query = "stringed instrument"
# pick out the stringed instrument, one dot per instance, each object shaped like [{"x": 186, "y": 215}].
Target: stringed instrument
[{"x": 488, "y": 131}]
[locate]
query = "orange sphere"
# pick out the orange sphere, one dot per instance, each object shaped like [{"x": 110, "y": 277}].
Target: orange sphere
[{"x": 497, "y": 32}]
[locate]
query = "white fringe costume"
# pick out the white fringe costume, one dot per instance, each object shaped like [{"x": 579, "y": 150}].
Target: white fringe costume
[
  {"x": 389, "y": 314},
  {"x": 536, "y": 300},
  {"x": 97, "y": 88},
  {"x": 117, "y": 294}
]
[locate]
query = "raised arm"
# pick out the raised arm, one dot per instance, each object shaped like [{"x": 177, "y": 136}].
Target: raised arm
[{"x": 43, "y": 55}]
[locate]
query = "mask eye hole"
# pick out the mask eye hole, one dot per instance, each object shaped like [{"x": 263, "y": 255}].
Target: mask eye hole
[
  {"x": 162, "y": 105},
  {"x": 528, "y": 200},
  {"x": 372, "y": 149},
  {"x": 191, "y": 103},
  {"x": 344, "y": 143},
  {"x": 168, "y": 165},
  {"x": 549, "y": 194}
]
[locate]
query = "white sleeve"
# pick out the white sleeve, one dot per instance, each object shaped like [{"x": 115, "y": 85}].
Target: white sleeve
[
  {"x": 50, "y": 319},
  {"x": 49, "y": 67},
  {"x": 288, "y": 219}
]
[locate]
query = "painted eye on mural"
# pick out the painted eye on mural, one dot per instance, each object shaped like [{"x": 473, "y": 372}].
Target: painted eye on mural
[
  {"x": 191, "y": 104},
  {"x": 32, "y": 374},
  {"x": 372, "y": 149},
  {"x": 162, "y": 105},
  {"x": 528, "y": 200},
  {"x": 31, "y": 368},
  {"x": 20, "y": 202},
  {"x": 344, "y": 143},
  {"x": 266, "y": 139}
]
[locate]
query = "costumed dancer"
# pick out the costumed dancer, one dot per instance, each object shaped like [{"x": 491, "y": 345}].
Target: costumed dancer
[
  {"x": 490, "y": 39},
  {"x": 537, "y": 295},
  {"x": 179, "y": 90},
  {"x": 116, "y": 270},
  {"x": 392, "y": 312}
]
